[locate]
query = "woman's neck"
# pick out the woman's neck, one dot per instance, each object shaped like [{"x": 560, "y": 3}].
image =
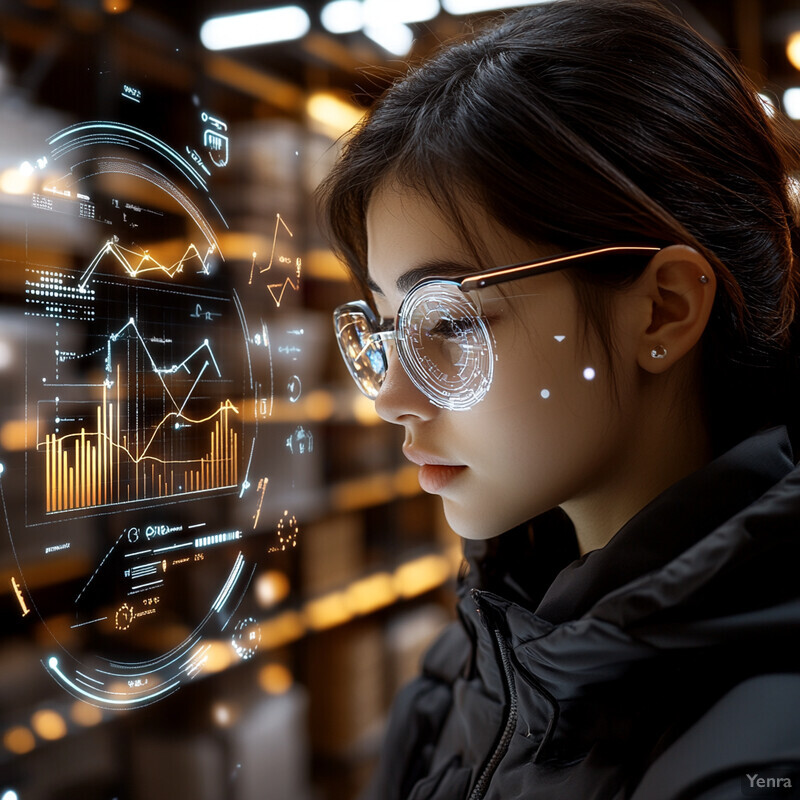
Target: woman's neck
[{"x": 655, "y": 457}]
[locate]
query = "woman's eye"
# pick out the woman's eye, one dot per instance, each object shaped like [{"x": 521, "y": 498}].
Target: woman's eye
[{"x": 452, "y": 328}]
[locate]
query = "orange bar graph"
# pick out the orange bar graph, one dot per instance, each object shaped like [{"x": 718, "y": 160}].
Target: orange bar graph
[
  {"x": 83, "y": 470},
  {"x": 48, "y": 488},
  {"x": 62, "y": 495}
]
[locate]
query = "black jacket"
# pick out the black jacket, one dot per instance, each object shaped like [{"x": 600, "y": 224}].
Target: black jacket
[{"x": 665, "y": 665}]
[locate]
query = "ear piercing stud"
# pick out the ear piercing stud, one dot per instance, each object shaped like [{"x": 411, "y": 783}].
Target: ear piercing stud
[{"x": 659, "y": 351}]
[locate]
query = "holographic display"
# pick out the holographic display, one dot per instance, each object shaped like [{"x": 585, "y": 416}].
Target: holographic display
[{"x": 149, "y": 384}]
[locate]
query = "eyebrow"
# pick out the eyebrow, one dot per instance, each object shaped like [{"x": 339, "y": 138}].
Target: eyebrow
[{"x": 434, "y": 268}]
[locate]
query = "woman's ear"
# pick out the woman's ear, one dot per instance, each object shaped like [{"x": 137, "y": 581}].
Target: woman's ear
[{"x": 678, "y": 287}]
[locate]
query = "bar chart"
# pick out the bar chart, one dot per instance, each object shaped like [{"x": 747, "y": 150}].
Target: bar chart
[
  {"x": 99, "y": 467},
  {"x": 147, "y": 436}
]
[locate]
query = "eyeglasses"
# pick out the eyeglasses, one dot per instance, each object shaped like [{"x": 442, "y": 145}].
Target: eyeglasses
[{"x": 442, "y": 333}]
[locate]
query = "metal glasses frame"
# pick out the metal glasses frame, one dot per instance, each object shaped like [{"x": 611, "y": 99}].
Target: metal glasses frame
[{"x": 468, "y": 283}]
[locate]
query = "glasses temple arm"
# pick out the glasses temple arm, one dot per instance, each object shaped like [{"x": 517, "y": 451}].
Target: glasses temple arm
[{"x": 494, "y": 276}]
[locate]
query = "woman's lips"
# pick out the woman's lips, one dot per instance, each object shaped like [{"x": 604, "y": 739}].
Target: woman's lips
[
  {"x": 434, "y": 472},
  {"x": 435, "y": 477}
]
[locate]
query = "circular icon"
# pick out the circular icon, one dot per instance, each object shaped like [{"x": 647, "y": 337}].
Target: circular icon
[
  {"x": 287, "y": 530},
  {"x": 294, "y": 388},
  {"x": 124, "y": 617},
  {"x": 246, "y": 638}
]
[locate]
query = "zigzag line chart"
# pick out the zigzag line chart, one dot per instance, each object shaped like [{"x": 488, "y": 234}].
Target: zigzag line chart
[
  {"x": 105, "y": 463},
  {"x": 277, "y": 290},
  {"x": 136, "y": 263}
]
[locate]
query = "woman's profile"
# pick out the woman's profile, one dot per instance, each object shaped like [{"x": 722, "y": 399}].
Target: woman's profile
[{"x": 577, "y": 235}]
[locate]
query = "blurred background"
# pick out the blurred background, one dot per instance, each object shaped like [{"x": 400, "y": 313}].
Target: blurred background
[{"x": 216, "y": 568}]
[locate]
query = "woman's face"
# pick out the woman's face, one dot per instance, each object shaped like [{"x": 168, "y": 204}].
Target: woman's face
[{"x": 550, "y": 428}]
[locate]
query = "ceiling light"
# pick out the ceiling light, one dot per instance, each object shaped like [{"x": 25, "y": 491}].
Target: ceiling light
[
  {"x": 255, "y": 27},
  {"x": 476, "y": 6},
  {"x": 379, "y": 13},
  {"x": 396, "y": 38},
  {"x": 791, "y": 103},
  {"x": 342, "y": 16}
]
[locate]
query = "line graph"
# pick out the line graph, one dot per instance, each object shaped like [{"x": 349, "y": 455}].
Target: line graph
[
  {"x": 277, "y": 290},
  {"x": 106, "y": 462},
  {"x": 136, "y": 263}
]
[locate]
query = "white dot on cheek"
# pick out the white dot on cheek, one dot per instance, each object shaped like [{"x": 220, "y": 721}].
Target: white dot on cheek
[
  {"x": 589, "y": 373},
  {"x": 545, "y": 393}
]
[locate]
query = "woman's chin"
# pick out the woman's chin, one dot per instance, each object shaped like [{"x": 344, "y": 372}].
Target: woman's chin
[{"x": 473, "y": 523}]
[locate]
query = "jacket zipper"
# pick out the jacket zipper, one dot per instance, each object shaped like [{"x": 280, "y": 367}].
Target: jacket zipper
[{"x": 482, "y": 784}]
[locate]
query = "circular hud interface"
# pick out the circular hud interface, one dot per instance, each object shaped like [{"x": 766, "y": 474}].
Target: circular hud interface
[{"x": 148, "y": 384}]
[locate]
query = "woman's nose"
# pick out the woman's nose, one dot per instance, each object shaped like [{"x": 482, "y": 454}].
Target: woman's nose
[{"x": 399, "y": 400}]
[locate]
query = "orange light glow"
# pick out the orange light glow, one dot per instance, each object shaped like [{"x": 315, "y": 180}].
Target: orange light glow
[
  {"x": 362, "y": 492},
  {"x": 328, "y": 611},
  {"x": 116, "y": 6},
  {"x": 319, "y": 405},
  {"x": 19, "y": 740},
  {"x": 49, "y": 724},
  {"x": 371, "y": 593},
  {"x": 282, "y": 629},
  {"x": 364, "y": 410},
  {"x": 275, "y": 679},
  {"x": 218, "y": 657},
  {"x": 421, "y": 575},
  {"x": 85, "y": 714},
  {"x": 13, "y": 181},
  {"x": 16, "y": 434},
  {"x": 406, "y": 480},
  {"x": 271, "y": 587},
  {"x": 332, "y": 115},
  {"x": 793, "y": 49}
]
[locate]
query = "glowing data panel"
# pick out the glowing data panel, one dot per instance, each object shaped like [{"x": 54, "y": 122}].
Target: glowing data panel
[
  {"x": 148, "y": 437},
  {"x": 147, "y": 483}
]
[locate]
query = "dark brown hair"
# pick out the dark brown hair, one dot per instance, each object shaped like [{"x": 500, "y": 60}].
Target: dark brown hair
[{"x": 585, "y": 122}]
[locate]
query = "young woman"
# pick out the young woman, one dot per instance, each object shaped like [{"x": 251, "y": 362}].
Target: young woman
[{"x": 577, "y": 235}]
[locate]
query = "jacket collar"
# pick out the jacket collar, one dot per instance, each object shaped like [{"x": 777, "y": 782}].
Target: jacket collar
[
  {"x": 581, "y": 674},
  {"x": 671, "y": 523}
]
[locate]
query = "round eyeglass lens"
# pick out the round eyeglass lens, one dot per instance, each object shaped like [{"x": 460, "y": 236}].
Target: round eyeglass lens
[
  {"x": 362, "y": 351},
  {"x": 445, "y": 345}
]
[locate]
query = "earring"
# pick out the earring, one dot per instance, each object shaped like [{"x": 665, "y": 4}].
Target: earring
[
  {"x": 703, "y": 279},
  {"x": 659, "y": 351}
]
